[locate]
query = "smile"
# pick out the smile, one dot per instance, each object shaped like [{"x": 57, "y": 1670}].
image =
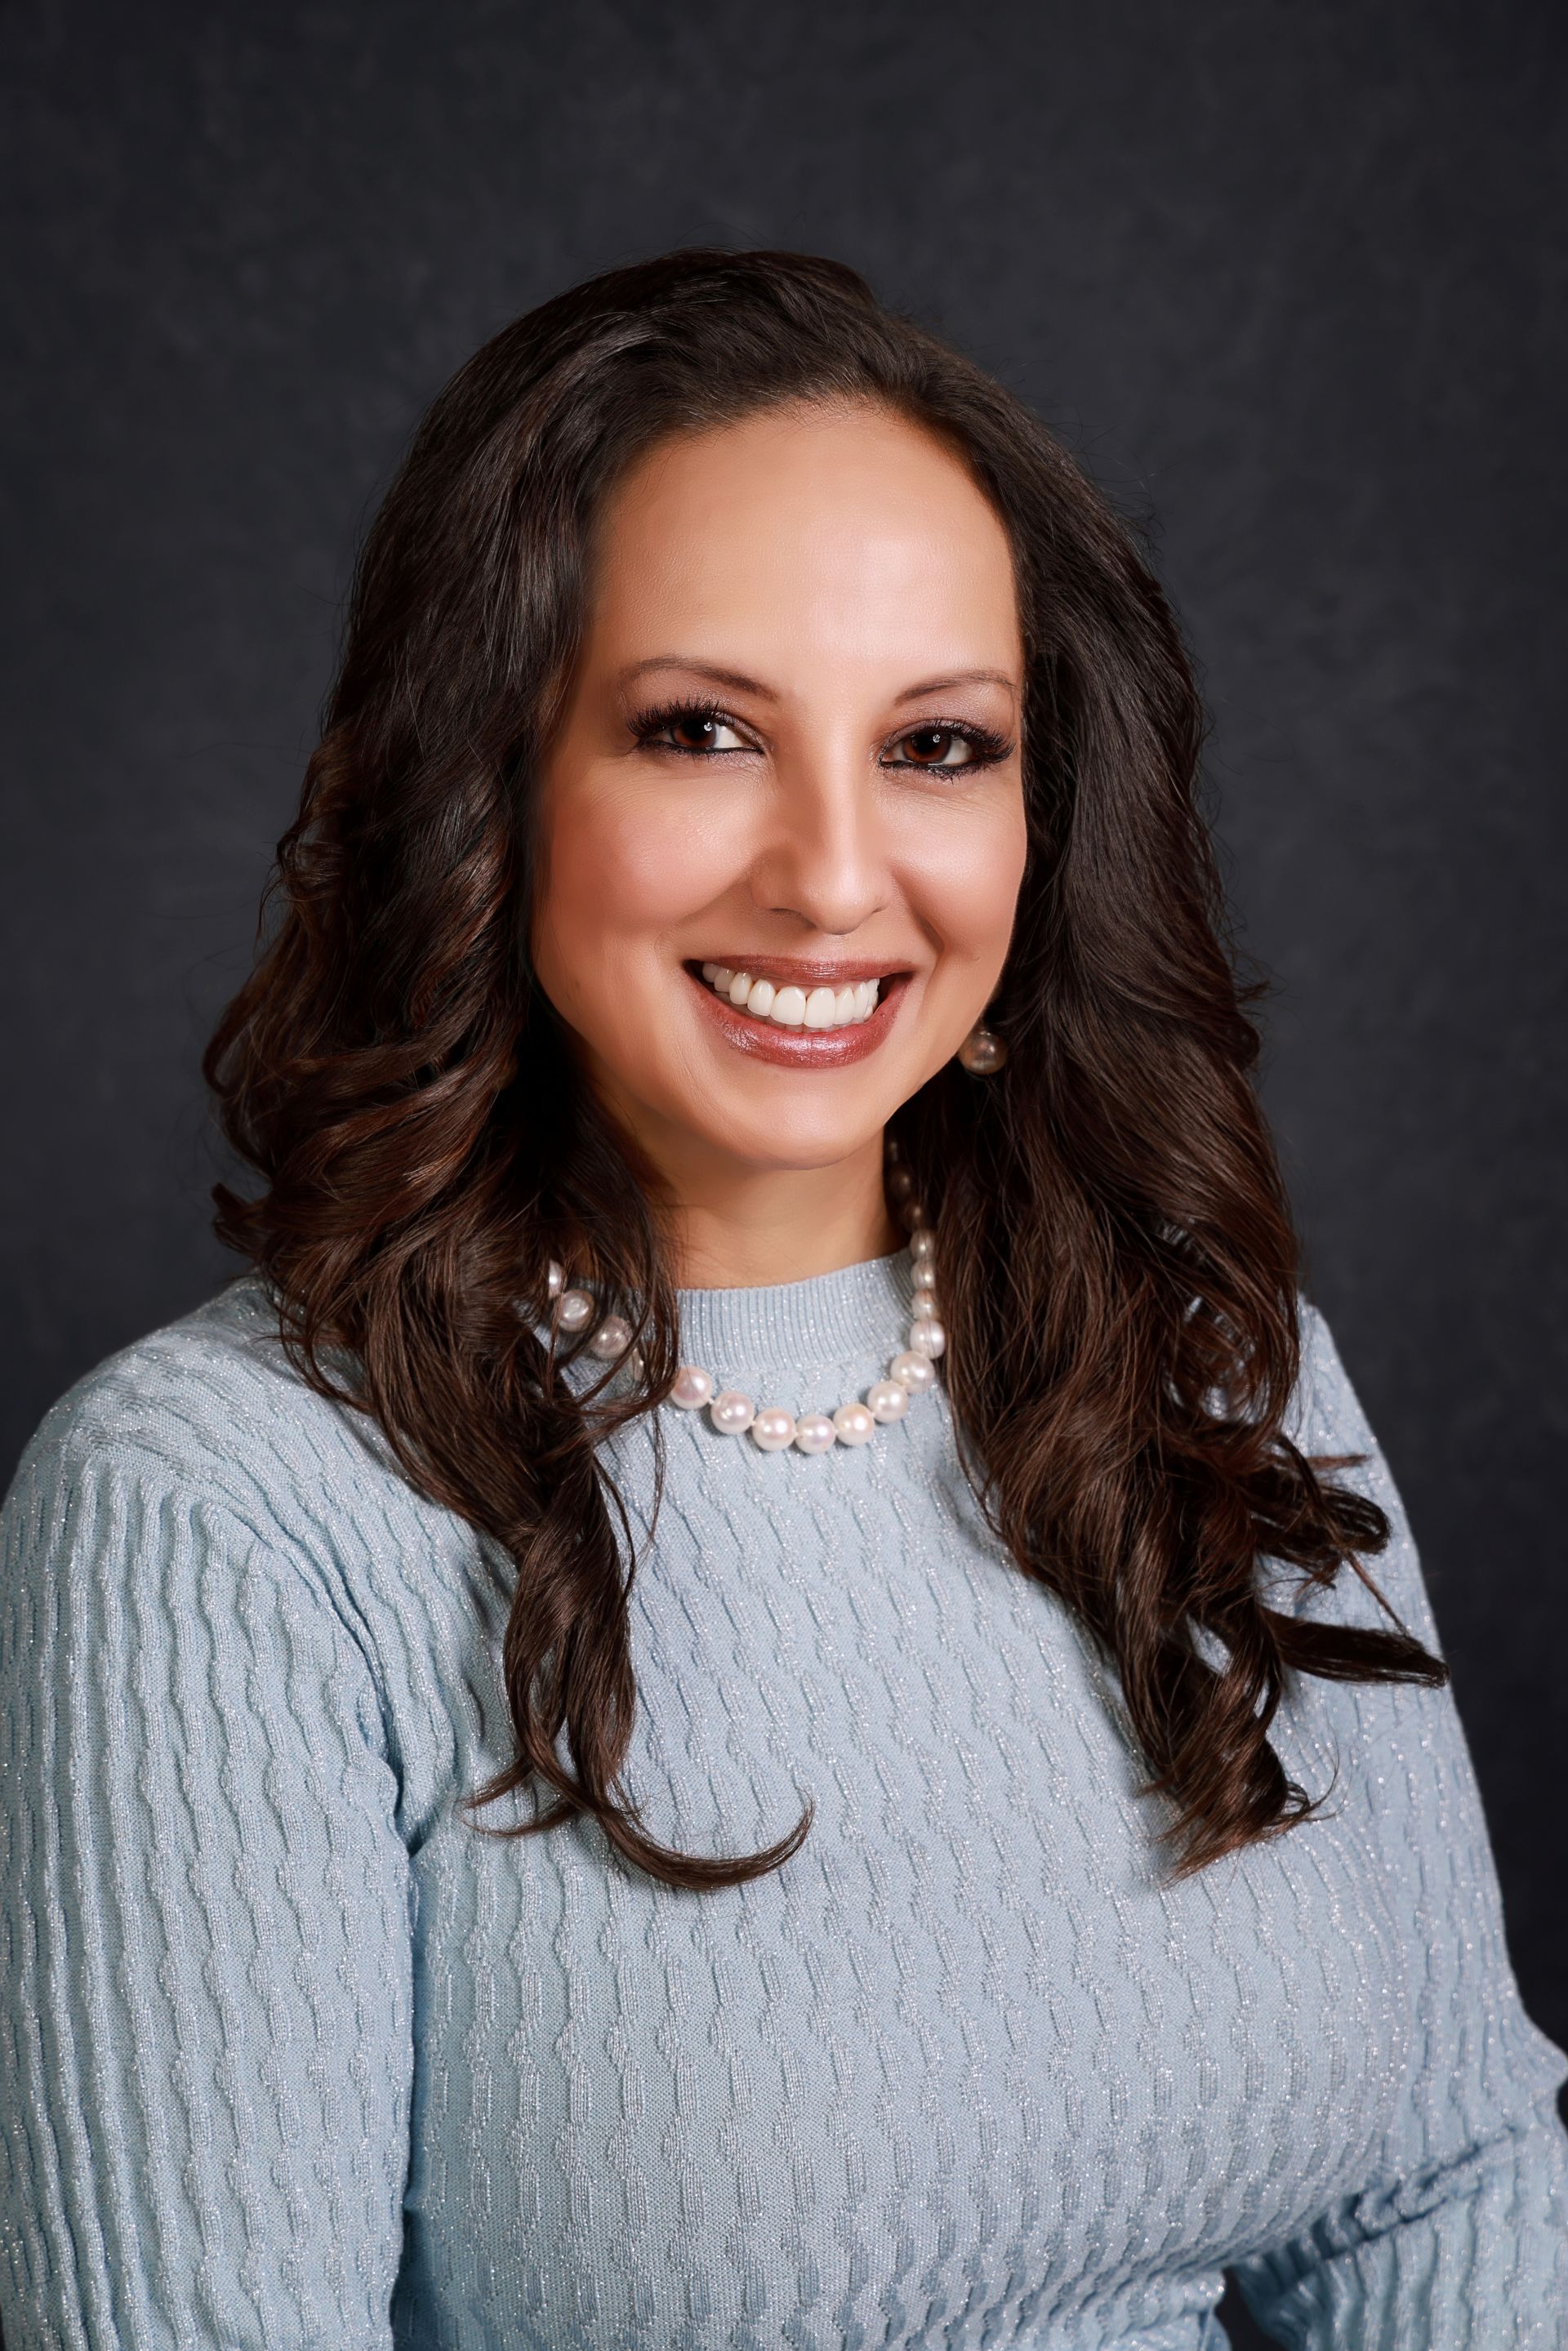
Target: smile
[
  {"x": 799, "y": 1015},
  {"x": 794, "y": 1008}
]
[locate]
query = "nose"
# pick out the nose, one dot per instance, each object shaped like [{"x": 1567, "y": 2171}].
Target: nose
[{"x": 825, "y": 857}]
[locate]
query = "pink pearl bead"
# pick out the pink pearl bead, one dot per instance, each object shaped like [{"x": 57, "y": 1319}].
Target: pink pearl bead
[
  {"x": 923, "y": 1247},
  {"x": 691, "y": 1388},
  {"x": 732, "y": 1412},
  {"x": 927, "y": 1336},
  {"x": 852, "y": 1424},
  {"x": 913, "y": 1371},
  {"x": 576, "y": 1310},
  {"x": 773, "y": 1428},
  {"x": 923, "y": 1302},
  {"x": 555, "y": 1280},
  {"x": 611, "y": 1339},
  {"x": 888, "y": 1400},
  {"x": 815, "y": 1433}
]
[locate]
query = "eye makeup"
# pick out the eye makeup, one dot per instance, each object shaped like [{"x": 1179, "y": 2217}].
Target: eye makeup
[{"x": 983, "y": 746}]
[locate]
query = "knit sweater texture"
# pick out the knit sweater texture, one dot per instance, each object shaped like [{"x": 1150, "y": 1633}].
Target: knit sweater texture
[{"x": 294, "y": 2059}]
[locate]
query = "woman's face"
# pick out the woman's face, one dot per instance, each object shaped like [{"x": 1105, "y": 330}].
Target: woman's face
[{"x": 790, "y": 752}]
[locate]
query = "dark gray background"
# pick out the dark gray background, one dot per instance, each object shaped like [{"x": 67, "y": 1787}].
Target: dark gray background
[{"x": 1288, "y": 277}]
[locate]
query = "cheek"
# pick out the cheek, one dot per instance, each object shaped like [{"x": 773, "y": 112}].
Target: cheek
[
  {"x": 962, "y": 878},
  {"x": 620, "y": 869}
]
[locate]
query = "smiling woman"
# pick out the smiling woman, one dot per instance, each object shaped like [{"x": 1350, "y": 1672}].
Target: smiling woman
[
  {"x": 748, "y": 957},
  {"x": 822, "y": 789}
]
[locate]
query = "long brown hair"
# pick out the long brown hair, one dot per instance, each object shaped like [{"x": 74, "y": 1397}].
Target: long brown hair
[{"x": 1119, "y": 1263}]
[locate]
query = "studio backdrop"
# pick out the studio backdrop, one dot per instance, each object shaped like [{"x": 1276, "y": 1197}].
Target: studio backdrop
[{"x": 1289, "y": 281}]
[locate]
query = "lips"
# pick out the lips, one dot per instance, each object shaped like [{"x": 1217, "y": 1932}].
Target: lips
[{"x": 797, "y": 1046}]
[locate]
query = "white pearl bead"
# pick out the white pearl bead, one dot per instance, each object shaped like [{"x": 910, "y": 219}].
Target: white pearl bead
[
  {"x": 900, "y": 1184},
  {"x": 888, "y": 1400},
  {"x": 611, "y": 1339},
  {"x": 773, "y": 1428},
  {"x": 852, "y": 1424},
  {"x": 927, "y": 1336},
  {"x": 555, "y": 1278},
  {"x": 576, "y": 1310},
  {"x": 923, "y": 1301},
  {"x": 914, "y": 1216},
  {"x": 691, "y": 1388},
  {"x": 732, "y": 1412},
  {"x": 815, "y": 1433},
  {"x": 982, "y": 1052},
  {"x": 636, "y": 1364},
  {"x": 923, "y": 1247},
  {"x": 913, "y": 1371}
]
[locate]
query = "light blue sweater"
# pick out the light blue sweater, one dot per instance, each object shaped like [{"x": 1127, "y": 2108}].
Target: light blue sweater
[{"x": 292, "y": 2057}]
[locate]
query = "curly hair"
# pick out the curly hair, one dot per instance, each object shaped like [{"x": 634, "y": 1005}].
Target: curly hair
[{"x": 1120, "y": 1264}]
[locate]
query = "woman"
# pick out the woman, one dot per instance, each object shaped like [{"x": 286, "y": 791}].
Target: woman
[{"x": 732, "y": 1700}]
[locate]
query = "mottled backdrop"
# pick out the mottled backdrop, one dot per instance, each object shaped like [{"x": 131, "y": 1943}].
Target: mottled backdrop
[{"x": 1289, "y": 278}]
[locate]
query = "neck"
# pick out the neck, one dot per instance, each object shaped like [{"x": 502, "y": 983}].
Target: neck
[{"x": 751, "y": 1228}]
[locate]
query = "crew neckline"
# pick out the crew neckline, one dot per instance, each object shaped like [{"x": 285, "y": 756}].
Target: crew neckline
[
  {"x": 839, "y": 1317},
  {"x": 854, "y": 1313}
]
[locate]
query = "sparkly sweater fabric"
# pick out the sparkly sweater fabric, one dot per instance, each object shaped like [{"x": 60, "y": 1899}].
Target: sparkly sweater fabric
[{"x": 291, "y": 2057}]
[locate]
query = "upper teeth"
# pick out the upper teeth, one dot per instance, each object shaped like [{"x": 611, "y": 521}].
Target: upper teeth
[{"x": 794, "y": 1008}]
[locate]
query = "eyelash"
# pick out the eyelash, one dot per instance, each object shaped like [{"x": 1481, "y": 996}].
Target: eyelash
[{"x": 986, "y": 747}]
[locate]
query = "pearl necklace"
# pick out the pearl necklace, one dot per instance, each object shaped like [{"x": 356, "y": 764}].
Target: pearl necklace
[{"x": 731, "y": 1411}]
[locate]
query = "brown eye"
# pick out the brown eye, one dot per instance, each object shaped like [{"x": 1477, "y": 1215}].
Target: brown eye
[
  {"x": 935, "y": 746},
  {"x": 698, "y": 733}
]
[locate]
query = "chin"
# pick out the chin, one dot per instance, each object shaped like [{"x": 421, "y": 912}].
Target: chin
[{"x": 789, "y": 1139}]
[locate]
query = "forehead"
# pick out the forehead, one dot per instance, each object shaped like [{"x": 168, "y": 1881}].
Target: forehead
[{"x": 810, "y": 534}]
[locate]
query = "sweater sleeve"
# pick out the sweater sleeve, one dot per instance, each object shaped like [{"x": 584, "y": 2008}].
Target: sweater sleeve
[
  {"x": 205, "y": 1934},
  {"x": 1460, "y": 2243}
]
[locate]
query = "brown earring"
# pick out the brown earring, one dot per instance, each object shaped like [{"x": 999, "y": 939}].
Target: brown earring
[{"x": 982, "y": 1052}]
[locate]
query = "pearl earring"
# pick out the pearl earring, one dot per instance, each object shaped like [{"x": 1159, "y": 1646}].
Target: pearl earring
[{"x": 982, "y": 1052}]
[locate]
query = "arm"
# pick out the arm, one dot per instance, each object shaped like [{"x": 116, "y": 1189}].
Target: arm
[
  {"x": 1461, "y": 2242},
  {"x": 204, "y": 1946}
]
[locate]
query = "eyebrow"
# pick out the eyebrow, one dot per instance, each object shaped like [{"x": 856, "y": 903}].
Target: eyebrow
[
  {"x": 738, "y": 682},
  {"x": 957, "y": 677}
]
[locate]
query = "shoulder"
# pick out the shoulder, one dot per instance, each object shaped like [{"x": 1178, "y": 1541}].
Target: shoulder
[
  {"x": 1327, "y": 1422},
  {"x": 184, "y": 1650},
  {"x": 209, "y": 1406},
  {"x": 1326, "y": 1414}
]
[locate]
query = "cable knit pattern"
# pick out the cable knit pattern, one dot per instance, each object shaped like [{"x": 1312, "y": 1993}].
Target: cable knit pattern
[{"x": 292, "y": 2057}]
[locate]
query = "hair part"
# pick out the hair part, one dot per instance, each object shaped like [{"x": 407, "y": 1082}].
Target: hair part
[{"x": 1119, "y": 1262}]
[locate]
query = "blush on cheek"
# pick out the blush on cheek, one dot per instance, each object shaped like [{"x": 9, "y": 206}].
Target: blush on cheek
[
  {"x": 632, "y": 862},
  {"x": 962, "y": 879},
  {"x": 622, "y": 869}
]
